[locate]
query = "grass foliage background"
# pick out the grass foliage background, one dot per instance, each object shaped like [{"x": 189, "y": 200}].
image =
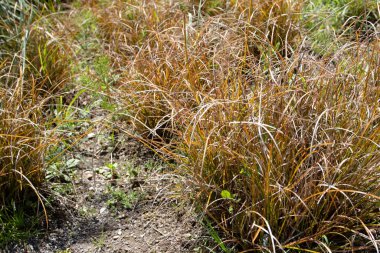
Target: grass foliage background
[
  {"x": 271, "y": 107},
  {"x": 279, "y": 130}
]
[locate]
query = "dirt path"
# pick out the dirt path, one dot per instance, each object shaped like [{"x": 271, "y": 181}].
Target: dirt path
[{"x": 123, "y": 200}]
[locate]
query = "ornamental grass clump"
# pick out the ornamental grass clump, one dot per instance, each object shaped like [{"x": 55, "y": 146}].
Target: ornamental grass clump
[
  {"x": 294, "y": 164},
  {"x": 34, "y": 67},
  {"x": 283, "y": 147},
  {"x": 22, "y": 146}
]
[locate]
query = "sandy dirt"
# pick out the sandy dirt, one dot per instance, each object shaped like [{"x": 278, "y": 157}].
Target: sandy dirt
[{"x": 122, "y": 198}]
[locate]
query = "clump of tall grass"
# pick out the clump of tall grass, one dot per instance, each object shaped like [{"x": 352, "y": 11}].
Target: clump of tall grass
[
  {"x": 265, "y": 22},
  {"x": 275, "y": 23},
  {"x": 22, "y": 144},
  {"x": 283, "y": 148},
  {"x": 33, "y": 68},
  {"x": 293, "y": 162},
  {"x": 136, "y": 27}
]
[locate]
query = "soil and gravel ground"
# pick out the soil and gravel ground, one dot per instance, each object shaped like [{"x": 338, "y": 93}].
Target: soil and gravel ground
[{"x": 123, "y": 199}]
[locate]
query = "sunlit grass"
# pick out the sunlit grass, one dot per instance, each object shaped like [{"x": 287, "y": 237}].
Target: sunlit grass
[
  {"x": 283, "y": 147},
  {"x": 270, "y": 108},
  {"x": 34, "y": 68}
]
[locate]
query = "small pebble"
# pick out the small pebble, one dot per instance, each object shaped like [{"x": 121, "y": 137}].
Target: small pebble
[
  {"x": 121, "y": 216},
  {"x": 91, "y": 135},
  {"x": 88, "y": 175}
]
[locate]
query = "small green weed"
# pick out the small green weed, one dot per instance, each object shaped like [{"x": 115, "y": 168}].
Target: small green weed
[
  {"x": 100, "y": 241},
  {"x": 331, "y": 24},
  {"x": 119, "y": 198},
  {"x": 64, "y": 251},
  {"x": 215, "y": 236},
  {"x": 18, "y": 223},
  {"x": 62, "y": 171},
  {"x": 86, "y": 20},
  {"x": 85, "y": 211},
  {"x": 109, "y": 170},
  {"x": 61, "y": 174}
]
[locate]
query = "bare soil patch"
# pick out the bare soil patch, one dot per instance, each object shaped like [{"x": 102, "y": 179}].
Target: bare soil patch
[{"x": 124, "y": 200}]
